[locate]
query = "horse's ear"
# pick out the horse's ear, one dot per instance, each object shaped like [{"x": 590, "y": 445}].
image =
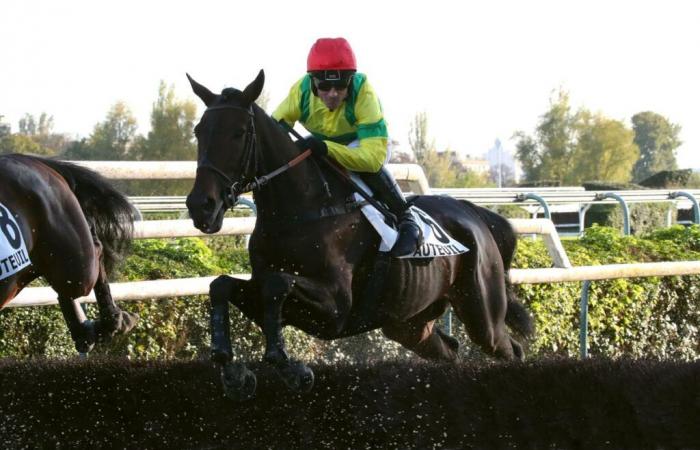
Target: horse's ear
[
  {"x": 205, "y": 94},
  {"x": 253, "y": 90}
]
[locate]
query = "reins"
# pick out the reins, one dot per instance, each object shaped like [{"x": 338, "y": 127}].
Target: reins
[
  {"x": 234, "y": 189},
  {"x": 346, "y": 178}
]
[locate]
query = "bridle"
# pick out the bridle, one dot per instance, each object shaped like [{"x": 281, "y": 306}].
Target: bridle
[{"x": 248, "y": 182}]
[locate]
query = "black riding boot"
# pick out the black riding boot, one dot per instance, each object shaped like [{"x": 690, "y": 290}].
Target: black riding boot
[{"x": 387, "y": 190}]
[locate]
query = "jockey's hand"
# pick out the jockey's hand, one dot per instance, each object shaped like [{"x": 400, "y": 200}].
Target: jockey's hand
[{"x": 317, "y": 146}]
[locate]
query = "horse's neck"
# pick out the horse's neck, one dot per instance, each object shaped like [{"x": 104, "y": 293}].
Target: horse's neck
[{"x": 298, "y": 190}]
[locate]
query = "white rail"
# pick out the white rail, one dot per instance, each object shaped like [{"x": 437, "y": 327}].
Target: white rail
[
  {"x": 411, "y": 173},
  {"x": 604, "y": 272},
  {"x": 563, "y": 271}
]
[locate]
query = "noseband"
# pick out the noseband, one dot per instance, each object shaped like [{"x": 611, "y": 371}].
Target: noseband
[{"x": 248, "y": 182}]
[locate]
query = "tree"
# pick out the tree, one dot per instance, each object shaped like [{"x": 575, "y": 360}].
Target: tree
[
  {"x": 657, "y": 139},
  {"x": 110, "y": 140},
  {"x": 605, "y": 150},
  {"x": 34, "y": 137},
  {"x": 171, "y": 136},
  {"x": 29, "y": 126},
  {"x": 438, "y": 169},
  {"x": 570, "y": 148},
  {"x": 548, "y": 156},
  {"x": 5, "y": 128},
  {"x": 418, "y": 138}
]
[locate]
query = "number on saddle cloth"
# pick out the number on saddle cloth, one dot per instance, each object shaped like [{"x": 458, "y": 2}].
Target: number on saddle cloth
[{"x": 13, "y": 251}]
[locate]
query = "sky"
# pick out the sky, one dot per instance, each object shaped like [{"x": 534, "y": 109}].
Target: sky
[{"x": 480, "y": 70}]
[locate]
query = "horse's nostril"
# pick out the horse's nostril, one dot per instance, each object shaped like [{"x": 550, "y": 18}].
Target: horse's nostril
[
  {"x": 201, "y": 203},
  {"x": 209, "y": 204}
]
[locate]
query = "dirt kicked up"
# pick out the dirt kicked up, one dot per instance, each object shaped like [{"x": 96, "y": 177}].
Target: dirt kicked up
[{"x": 107, "y": 403}]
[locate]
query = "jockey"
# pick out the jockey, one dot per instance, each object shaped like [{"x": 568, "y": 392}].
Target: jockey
[{"x": 338, "y": 106}]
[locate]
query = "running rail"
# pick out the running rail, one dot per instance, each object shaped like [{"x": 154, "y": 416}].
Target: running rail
[{"x": 562, "y": 272}]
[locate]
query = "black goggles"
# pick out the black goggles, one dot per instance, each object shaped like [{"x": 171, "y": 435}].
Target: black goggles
[{"x": 327, "y": 85}]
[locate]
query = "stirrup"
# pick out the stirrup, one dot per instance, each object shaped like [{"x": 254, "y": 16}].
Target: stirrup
[{"x": 410, "y": 238}]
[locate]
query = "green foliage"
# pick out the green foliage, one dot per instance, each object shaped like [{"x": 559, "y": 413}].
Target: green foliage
[
  {"x": 602, "y": 185},
  {"x": 548, "y": 156},
  {"x": 604, "y": 150},
  {"x": 640, "y": 317},
  {"x": 571, "y": 147},
  {"x": 643, "y": 217},
  {"x": 657, "y": 139},
  {"x": 19, "y": 143},
  {"x": 636, "y": 317},
  {"x": 34, "y": 137},
  {"x": 668, "y": 179}
]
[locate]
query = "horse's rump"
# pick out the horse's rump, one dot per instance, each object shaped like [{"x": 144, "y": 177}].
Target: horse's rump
[{"x": 106, "y": 209}]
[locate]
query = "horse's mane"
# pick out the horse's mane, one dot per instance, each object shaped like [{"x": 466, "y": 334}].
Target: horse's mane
[
  {"x": 321, "y": 173},
  {"x": 105, "y": 208}
]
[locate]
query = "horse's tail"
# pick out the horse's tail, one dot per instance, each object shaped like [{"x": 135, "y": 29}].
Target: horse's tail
[
  {"x": 106, "y": 209},
  {"x": 517, "y": 317}
]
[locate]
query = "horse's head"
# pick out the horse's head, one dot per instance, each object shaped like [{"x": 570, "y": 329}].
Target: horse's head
[{"x": 226, "y": 154}]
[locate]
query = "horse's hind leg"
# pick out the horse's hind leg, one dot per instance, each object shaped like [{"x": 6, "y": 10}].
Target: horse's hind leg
[
  {"x": 112, "y": 319},
  {"x": 481, "y": 305},
  {"x": 81, "y": 330},
  {"x": 424, "y": 339}
]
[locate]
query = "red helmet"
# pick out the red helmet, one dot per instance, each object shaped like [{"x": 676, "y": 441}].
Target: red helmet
[{"x": 331, "y": 54}]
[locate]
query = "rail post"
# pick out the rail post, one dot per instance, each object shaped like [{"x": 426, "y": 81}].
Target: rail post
[
  {"x": 691, "y": 197},
  {"x": 625, "y": 209}
]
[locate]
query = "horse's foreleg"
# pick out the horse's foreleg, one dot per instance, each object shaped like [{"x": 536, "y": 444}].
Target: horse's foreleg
[
  {"x": 275, "y": 290},
  {"x": 81, "y": 330},
  {"x": 220, "y": 292},
  {"x": 239, "y": 383},
  {"x": 112, "y": 319}
]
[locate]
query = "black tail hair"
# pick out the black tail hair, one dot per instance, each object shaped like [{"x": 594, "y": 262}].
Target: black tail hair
[{"x": 105, "y": 208}]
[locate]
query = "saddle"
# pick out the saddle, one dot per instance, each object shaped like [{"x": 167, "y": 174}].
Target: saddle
[{"x": 436, "y": 242}]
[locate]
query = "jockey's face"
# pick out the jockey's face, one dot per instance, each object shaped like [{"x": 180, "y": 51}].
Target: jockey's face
[{"x": 331, "y": 96}]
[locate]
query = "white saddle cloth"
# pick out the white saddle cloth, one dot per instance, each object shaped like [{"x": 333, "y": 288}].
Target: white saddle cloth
[{"x": 436, "y": 242}]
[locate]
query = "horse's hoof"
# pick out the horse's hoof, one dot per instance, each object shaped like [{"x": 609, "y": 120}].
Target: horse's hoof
[
  {"x": 239, "y": 383},
  {"x": 122, "y": 322},
  {"x": 128, "y": 321},
  {"x": 86, "y": 342},
  {"x": 297, "y": 376},
  {"x": 221, "y": 356}
]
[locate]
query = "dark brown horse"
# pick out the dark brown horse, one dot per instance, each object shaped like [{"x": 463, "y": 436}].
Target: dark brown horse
[
  {"x": 69, "y": 225},
  {"x": 313, "y": 254}
]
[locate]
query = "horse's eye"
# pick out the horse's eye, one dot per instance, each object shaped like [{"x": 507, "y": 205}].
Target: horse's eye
[{"x": 238, "y": 133}]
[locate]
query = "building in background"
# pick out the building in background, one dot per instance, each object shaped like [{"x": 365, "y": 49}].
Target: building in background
[{"x": 503, "y": 168}]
